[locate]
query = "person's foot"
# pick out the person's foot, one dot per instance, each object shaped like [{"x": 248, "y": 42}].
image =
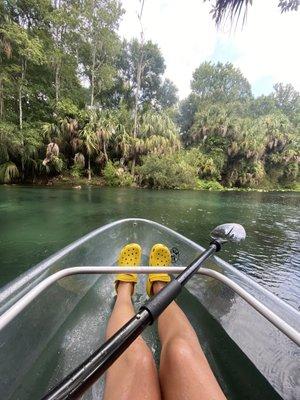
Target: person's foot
[
  {"x": 160, "y": 256},
  {"x": 130, "y": 255},
  {"x": 157, "y": 286},
  {"x": 125, "y": 288}
]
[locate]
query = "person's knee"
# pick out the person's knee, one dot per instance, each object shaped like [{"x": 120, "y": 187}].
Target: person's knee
[
  {"x": 141, "y": 358},
  {"x": 178, "y": 350}
]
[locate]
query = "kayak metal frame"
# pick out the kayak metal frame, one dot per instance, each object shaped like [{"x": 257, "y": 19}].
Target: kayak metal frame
[{"x": 24, "y": 301}]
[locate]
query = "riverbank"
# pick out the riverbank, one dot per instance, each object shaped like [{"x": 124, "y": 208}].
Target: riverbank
[{"x": 80, "y": 183}]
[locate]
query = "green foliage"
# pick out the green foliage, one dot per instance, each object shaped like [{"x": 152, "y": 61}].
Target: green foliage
[
  {"x": 207, "y": 166},
  {"x": 220, "y": 82},
  {"x": 77, "y": 171},
  {"x": 111, "y": 175},
  {"x": 222, "y": 9},
  {"x": 167, "y": 94},
  {"x": 209, "y": 185},
  {"x": 74, "y": 98},
  {"x": 8, "y": 142},
  {"x": 241, "y": 146},
  {"x": 66, "y": 108},
  {"x": 99, "y": 44},
  {"x": 153, "y": 68},
  {"x": 287, "y": 100},
  {"x": 8, "y": 172},
  {"x": 55, "y": 166},
  {"x": 262, "y": 105},
  {"x": 167, "y": 172},
  {"x": 115, "y": 176}
]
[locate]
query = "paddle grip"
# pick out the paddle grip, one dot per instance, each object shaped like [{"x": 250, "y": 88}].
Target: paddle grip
[{"x": 158, "y": 303}]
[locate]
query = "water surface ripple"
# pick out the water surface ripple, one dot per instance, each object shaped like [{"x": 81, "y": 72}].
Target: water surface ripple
[{"x": 35, "y": 222}]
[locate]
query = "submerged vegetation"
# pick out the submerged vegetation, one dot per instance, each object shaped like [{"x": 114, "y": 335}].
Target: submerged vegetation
[{"x": 77, "y": 102}]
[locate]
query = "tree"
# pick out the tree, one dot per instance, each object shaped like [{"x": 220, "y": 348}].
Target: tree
[
  {"x": 26, "y": 49},
  {"x": 287, "y": 99},
  {"x": 151, "y": 73},
  {"x": 99, "y": 44},
  {"x": 142, "y": 67},
  {"x": 220, "y": 83},
  {"x": 167, "y": 94},
  {"x": 154, "y": 91},
  {"x": 90, "y": 142},
  {"x": 73, "y": 97},
  {"x": 62, "y": 28},
  {"x": 186, "y": 113},
  {"x": 262, "y": 105}
]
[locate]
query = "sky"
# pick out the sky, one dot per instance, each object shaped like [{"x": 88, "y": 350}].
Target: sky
[{"x": 266, "y": 48}]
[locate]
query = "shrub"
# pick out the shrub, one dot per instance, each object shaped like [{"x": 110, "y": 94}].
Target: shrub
[
  {"x": 77, "y": 170},
  {"x": 67, "y": 107},
  {"x": 206, "y": 165},
  {"x": 126, "y": 179},
  {"x": 116, "y": 176},
  {"x": 167, "y": 172},
  {"x": 209, "y": 185},
  {"x": 57, "y": 164},
  {"x": 110, "y": 174}
]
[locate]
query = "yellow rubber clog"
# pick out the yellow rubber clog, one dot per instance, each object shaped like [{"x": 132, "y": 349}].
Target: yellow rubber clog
[
  {"x": 130, "y": 255},
  {"x": 160, "y": 256}
]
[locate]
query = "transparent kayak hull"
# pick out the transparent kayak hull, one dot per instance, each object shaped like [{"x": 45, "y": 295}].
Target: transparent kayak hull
[{"x": 66, "y": 323}]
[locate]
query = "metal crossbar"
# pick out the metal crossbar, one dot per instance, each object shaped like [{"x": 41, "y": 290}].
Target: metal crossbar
[{"x": 24, "y": 301}]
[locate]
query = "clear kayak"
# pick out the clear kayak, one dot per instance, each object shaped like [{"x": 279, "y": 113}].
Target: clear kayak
[{"x": 65, "y": 322}]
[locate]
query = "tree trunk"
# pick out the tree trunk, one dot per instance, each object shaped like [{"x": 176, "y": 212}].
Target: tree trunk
[
  {"x": 57, "y": 80},
  {"x": 93, "y": 76},
  {"x": 20, "y": 96},
  {"x": 138, "y": 84},
  {"x": 136, "y": 105},
  {"x": 133, "y": 165},
  {"x": 1, "y": 99},
  {"x": 104, "y": 151},
  {"x": 136, "y": 96},
  {"x": 89, "y": 168}
]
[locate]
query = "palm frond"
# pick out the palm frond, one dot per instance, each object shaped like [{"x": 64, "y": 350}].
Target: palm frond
[
  {"x": 233, "y": 9},
  {"x": 229, "y": 8},
  {"x": 8, "y": 172}
]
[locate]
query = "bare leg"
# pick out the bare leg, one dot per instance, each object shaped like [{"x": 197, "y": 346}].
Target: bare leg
[
  {"x": 133, "y": 375},
  {"x": 184, "y": 371}
]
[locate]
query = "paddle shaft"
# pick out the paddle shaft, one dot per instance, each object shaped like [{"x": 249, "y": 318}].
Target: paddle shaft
[{"x": 79, "y": 380}]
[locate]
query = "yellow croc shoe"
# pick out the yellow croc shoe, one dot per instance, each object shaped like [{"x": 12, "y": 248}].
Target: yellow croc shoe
[
  {"x": 130, "y": 255},
  {"x": 160, "y": 256}
]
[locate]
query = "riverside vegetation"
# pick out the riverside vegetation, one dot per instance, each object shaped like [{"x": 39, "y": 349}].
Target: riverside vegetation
[{"x": 77, "y": 104}]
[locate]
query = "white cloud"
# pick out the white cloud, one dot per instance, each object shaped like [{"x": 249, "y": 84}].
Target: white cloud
[{"x": 268, "y": 45}]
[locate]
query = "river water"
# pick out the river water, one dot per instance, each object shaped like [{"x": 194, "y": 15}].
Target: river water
[{"x": 35, "y": 222}]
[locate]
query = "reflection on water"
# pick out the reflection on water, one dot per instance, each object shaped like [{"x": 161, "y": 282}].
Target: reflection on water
[{"x": 35, "y": 222}]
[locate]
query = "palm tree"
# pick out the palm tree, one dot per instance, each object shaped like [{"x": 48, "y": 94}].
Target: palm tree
[
  {"x": 51, "y": 152},
  {"x": 90, "y": 143},
  {"x": 159, "y": 133},
  {"x": 8, "y": 142},
  {"x": 234, "y": 8},
  {"x": 277, "y": 129},
  {"x": 211, "y": 120},
  {"x": 8, "y": 172},
  {"x": 105, "y": 129},
  {"x": 79, "y": 160}
]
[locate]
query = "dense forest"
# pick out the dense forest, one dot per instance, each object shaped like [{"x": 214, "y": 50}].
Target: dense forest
[{"x": 79, "y": 104}]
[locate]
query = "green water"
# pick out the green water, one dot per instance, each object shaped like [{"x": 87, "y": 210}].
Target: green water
[{"x": 35, "y": 222}]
